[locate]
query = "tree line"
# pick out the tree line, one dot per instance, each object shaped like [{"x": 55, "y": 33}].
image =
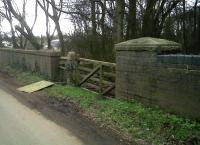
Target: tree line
[{"x": 99, "y": 24}]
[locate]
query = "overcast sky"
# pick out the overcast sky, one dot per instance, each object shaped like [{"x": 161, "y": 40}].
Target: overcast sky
[{"x": 40, "y": 28}]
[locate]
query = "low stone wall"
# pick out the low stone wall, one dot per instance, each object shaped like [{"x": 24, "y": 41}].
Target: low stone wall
[
  {"x": 45, "y": 62},
  {"x": 169, "y": 81}
]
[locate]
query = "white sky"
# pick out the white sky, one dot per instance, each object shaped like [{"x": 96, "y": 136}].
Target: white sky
[{"x": 39, "y": 28}]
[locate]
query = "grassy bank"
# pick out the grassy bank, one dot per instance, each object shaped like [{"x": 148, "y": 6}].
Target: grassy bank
[{"x": 143, "y": 123}]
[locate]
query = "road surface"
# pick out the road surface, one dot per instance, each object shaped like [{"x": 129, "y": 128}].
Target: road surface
[{"x": 21, "y": 125}]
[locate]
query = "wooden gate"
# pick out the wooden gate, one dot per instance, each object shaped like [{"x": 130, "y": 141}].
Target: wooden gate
[{"x": 95, "y": 75}]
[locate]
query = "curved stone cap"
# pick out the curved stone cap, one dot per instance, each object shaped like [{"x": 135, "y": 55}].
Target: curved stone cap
[{"x": 148, "y": 44}]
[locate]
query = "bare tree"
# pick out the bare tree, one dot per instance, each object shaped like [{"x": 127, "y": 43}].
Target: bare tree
[
  {"x": 55, "y": 17},
  {"x": 25, "y": 30},
  {"x": 9, "y": 18},
  {"x": 48, "y": 35},
  {"x": 155, "y": 16}
]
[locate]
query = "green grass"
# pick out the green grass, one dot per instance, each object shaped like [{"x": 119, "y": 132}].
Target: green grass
[
  {"x": 150, "y": 124},
  {"x": 21, "y": 75}
]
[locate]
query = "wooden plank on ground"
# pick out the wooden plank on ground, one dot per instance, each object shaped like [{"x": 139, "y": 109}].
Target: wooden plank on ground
[{"x": 35, "y": 86}]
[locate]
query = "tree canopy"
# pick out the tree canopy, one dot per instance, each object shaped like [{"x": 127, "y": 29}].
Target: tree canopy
[{"x": 99, "y": 24}]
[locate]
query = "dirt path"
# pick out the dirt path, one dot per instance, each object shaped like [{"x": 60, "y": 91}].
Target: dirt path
[{"x": 30, "y": 120}]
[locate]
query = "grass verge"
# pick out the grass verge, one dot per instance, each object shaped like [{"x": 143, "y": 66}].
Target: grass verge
[{"x": 151, "y": 125}]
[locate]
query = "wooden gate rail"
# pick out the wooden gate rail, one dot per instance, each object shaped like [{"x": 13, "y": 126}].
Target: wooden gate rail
[
  {"x": 92, "y": 74},
  {"x": 89, "y": 75}
]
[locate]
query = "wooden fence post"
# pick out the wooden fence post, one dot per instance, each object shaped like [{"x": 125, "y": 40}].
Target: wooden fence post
[
  {"x": 101, "y": 79},
  {"x": 72, "y": 68}
]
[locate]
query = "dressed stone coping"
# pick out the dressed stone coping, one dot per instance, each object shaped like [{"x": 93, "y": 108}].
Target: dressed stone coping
[{"x": 148, "y": 44}]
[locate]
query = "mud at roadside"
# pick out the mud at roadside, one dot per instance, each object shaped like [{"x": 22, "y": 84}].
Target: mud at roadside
[{"x": 65, "y": 114}]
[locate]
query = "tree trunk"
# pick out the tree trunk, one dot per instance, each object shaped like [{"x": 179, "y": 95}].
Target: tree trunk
[
  {"x": 47, "y": 33},
  {"x": 14, "y": 42},
  {"x": 118, "y": 22},
  {"x": 195, "y": 16},
  {"x": 199, "y": 29},
  {"x": 195, "y": 33},
  {"x": 55, "y": 17},
  {"x": 47, "y": 25},
  {"x": 184, "y": 29},
  {"x": 60, "y": 36},
  {"x": 132, "y": 22},
  {"x": 147, "y": 27},
  {"x": 103, "y": 38},
  {"x": 94, "y": 27},
  {"x": 56, "y": 21},
  {"x": 93, "y": 18}
]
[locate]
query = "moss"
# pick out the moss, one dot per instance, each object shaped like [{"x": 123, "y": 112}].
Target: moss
[{"x": 148, "y": 44}]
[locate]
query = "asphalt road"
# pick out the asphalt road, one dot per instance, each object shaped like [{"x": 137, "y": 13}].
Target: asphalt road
[{"x": 20, "y": 125}]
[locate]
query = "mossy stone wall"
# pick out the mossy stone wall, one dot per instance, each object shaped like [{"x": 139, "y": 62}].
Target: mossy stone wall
[
  {"x": 45, "y": 62},
  {"x": 169, "y": 81}
]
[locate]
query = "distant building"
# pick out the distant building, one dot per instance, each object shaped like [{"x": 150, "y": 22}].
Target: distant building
[
  {"x": 7, "y": 44},
  {"x": 55, "y": 44}
]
